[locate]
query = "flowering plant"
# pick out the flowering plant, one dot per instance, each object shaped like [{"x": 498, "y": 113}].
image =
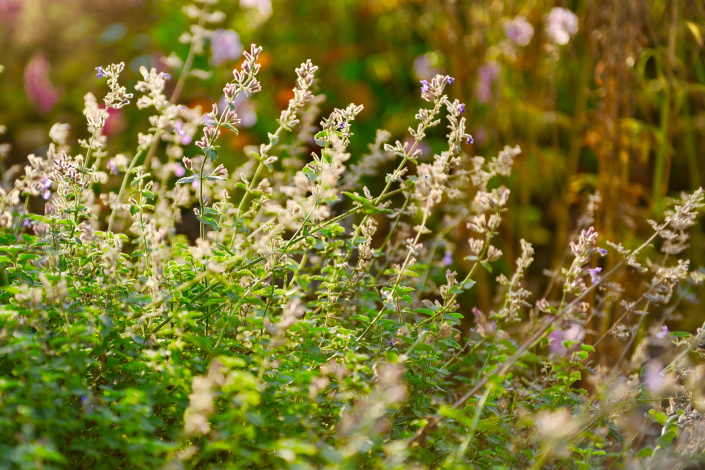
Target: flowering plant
[{"x": 314, "y": 322}]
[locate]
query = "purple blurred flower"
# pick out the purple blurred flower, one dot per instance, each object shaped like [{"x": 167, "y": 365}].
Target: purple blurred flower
[
  {"x": 653, "y": 379},
  {"x": 448, "y": 258},
  {"x": 185, "y": 136},
  {"x": 40, "y": 91},
  {"x": 112, "y": 166},
  {"x": 225, "y": 45},
  {"x": 245, "y": 109},
  {"x": 179, "y": 170},
  {"x": 519, "y": 31},
  {"x": 602, "y": 251},
  {"x": 574, "y": 333},
  {"x": 561, "y": 25},
  {"x": 10, "y": 11},
  {"x": 101, "y": 72},
  {"x": 426, "y": 65},
  {"x": 663, "y": 333},
  {"x": 46, "y": 188},
  {"x": 425, "y": 86},
  {"x": 423, "y": 146},
  {"x": 462, "y": 108},
  {"x": 487, "y": 75},
  {"x": 594, "y": 274}
]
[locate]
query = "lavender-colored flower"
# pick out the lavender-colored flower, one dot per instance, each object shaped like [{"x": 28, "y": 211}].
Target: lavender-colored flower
[
  {"x": 101, "y": 72},
  {"x": 594, "y": 274},
  {"x": 225, "y": 45},
  {"x": 179, "y": 170},
  {"x": 426, "y": 65},
  {"x": 46, "y": 188},
  {"x": 487, "y": 75},
  {"x": 574, "y": 333},
  {"x": 447, "y": 258},
  {"x": 481, "y": 134},
  {"x": 561, "y": 25},
  {"x": 462, "y": 108},
  {"x": 246, "y": 112},
  {"x": 425, "y": 86},
  {"x": 519, "y": 31},
  {"x": 602, "y": 251},
  {"x": 112, "y": 166},
  {"x": 653, "y": 379},
  {"x": 663, "y": 333},
  {"x": 181, "y": 132}
]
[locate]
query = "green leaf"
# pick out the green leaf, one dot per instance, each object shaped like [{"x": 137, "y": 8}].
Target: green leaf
[
  {"x": 229, "y": 127},
  {"x": 659, "y": 416},
  {"x": 645, "y": 452},
  {"x": 187, "y": 179},
  {"x": 211, "y": 153}
]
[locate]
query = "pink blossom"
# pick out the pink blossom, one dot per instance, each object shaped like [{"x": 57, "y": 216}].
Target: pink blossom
[
  {"x": 653, "y": 379},
  {"x": 561, "y": 25},
  {"x": 486, "y": 77},
  {"x": 663, "y": 333},
  {"x": 225, "y": 45},
  {"x": 115, "y": 123},
  {"x": 574, "y": 333},
  {"x": 37, "y": 84},
  {"x": 519, "y": 31},
  {"x": 10, "y": 11},
  {"x": 179, "y": 170},
  {"x": 426, "y": 66}
]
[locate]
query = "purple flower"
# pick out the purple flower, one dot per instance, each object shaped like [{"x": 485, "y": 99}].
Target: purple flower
[
  {"x": 426, "y": 65},
  {"x": 425, "y": 86},
  {"x": 448, "y": 258},
  {"x": 470, "y": 140},
  {"x": 602, "y": 251},
  {"x": 574, "y": 333},
  {"x": 179, "y": 170},
  {"x": 519, "y": 31},
  {"x": 46, "y": 188},
  {"x": 101, "y": 72},
  {"x": 663, "y": 333},
  {"x": 653, "y": 379},
  {"x": 594, "y": 274},
  {"x": 462, "y": 107},
  {"x": 451, "y": 80},
  {"x": 225, "y": 45},
  {"x": 486, "y": 77}
]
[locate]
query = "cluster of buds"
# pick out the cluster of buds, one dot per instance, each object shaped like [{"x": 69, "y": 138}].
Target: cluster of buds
[
  {"x": 152, "y": 85},
  {"x": 246, "y": 78},
  {"x": 118, "y": 95},
  {"x": 583, "y": 249},
  {"x": 433, "y": 90},
  {"x": 302, "y": 94}
]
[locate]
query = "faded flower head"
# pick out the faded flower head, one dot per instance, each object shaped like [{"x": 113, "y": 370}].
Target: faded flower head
[
  {"x": 519, "y": 31},
  {"x": 487, "y": 76},
  {"x": 561, "y": 25},
  {"x": 41, "y": 92},
  {"x": 225, "y": 46}
]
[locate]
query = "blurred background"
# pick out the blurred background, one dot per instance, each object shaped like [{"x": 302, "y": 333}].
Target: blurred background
[{"x": 601, "y": 95}]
